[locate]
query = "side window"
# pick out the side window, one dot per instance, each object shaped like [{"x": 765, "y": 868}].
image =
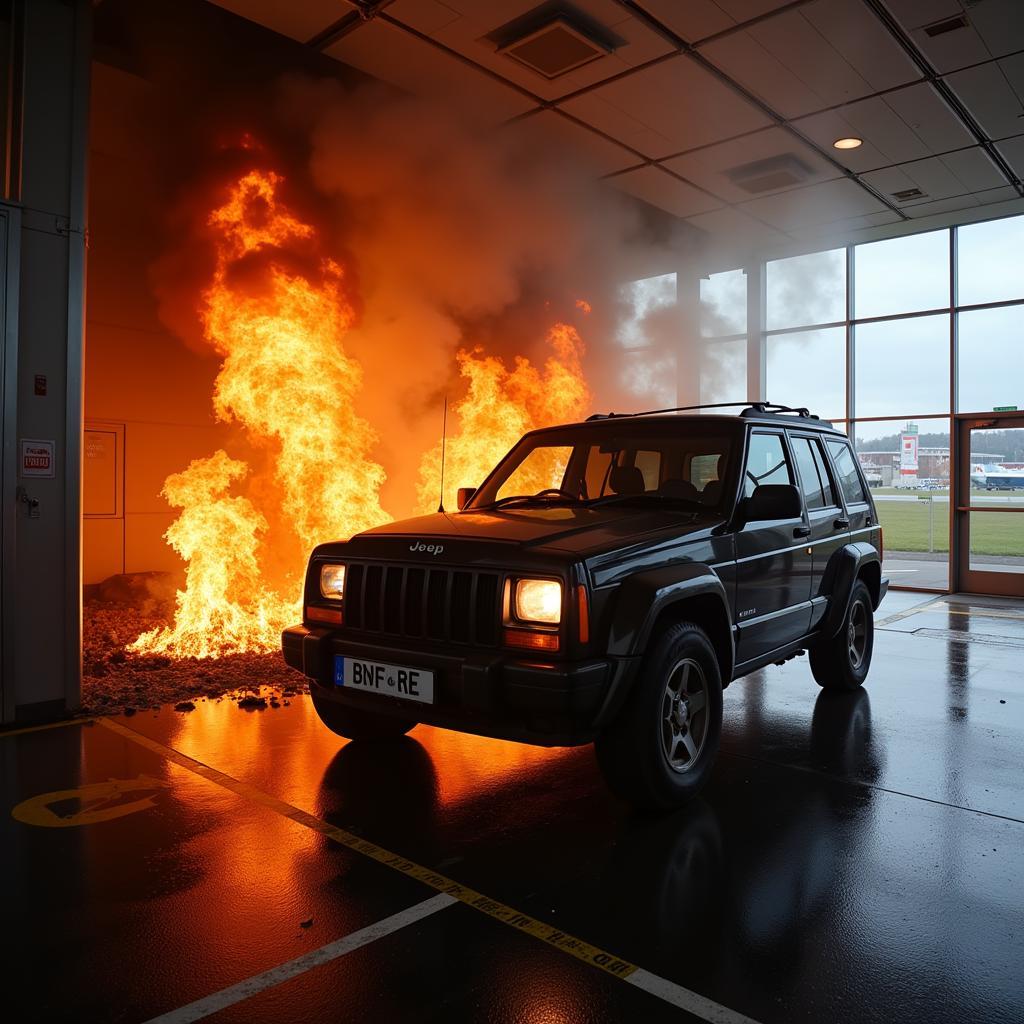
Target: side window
[
  {"x": 849, "y": 478},
  {"x": 824, "y": 475},
  {"x": 766, "y": 463},
  {"x": 649, "y": 464},
  {"x": 814, "y": 476},
  {"x": 704, "y": 469}
]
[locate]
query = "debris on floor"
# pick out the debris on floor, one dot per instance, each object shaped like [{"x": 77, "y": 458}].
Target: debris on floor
[{"x": 115, "y": 681}]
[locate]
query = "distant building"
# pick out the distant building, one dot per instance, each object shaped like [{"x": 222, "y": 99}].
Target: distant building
[{"x": 882, "y": 469}]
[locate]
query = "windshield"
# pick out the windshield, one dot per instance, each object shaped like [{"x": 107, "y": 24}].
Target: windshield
[{"x": 686, "y": 463}]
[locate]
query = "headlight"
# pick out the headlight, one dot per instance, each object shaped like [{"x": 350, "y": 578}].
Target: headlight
[
  {"x": 538, "y": 601},
  {"x": 332, "y": 581}
]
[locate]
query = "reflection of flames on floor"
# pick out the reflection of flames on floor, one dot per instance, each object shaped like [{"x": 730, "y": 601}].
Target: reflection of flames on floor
[{"x": 276, "y": 311}]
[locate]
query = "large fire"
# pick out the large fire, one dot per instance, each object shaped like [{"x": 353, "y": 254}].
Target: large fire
[
  {"x": 500, "y": 405},
  {"x": 277, "y": 312}
]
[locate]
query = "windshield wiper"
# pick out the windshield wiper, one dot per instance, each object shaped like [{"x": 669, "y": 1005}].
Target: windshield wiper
[{"x": 544, "y": 497}]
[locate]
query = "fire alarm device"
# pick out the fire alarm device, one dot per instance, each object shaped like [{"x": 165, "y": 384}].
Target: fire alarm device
[
  {"x": 40, "y": 383},
  {"x": 37, "y": 458}
]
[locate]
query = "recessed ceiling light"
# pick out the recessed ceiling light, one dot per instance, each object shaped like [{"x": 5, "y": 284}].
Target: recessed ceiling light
[{"x": 849, "y": 143}]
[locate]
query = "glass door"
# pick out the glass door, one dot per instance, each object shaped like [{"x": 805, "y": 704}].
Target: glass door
[{"x": 989, "y": 506}]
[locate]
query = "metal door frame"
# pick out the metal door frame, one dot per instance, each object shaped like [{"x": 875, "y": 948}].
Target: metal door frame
[{"x": 965, "y": 579}]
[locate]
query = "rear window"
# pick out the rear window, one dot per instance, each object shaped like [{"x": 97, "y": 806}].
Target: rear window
[{"x": 846, "y": 468}]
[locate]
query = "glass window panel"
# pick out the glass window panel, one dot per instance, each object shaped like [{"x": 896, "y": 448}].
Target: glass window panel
[
  {"x": 990, "y": 366},
  {"x": 997, "y": 541},
  {"x": 810, "y": 480},
  {"x": 824, "y": 474},
  {"x": 901, "y": 275},
  {"x": 902, "y": 366},
  {"x": 650, "y": 377},
  {"x": 804, "y": 290},
  {"x": 723, "y": 371},
  {"x": 808, "y": 368},
  {"x": 643, "y": 301},
  {"x": 913, "y": 511},
  {"x": 989, "y": 266},
  {"x": 846, "y": 469},
  {"x": 723, "y": 304},
  {"x": 766, "y": 463}
]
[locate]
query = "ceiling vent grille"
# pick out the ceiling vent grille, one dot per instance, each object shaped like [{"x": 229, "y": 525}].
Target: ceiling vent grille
[
  {"x": 907, "y": 194},
  {"x": 770, "y": 175},
  {"x": 940, "y": 28},
  {"x": 555, "y": 48}
]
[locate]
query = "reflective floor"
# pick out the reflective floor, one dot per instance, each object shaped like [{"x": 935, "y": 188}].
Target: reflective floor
[{"x": 856, "y": 858}]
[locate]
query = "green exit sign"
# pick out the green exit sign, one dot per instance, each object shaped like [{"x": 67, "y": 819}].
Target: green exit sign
[{"x": 1004, "y": 408}]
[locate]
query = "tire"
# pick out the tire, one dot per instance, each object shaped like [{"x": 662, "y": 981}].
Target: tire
[
  {"x": 357, "y": 724},
  {"x": 644, "y": 754},
  {"x": 842, "y": 662}
]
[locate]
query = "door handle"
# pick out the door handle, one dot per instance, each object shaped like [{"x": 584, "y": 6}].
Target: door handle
[
  {"x": 802, "y": 531},
  {"x": 841, "y": 523}
]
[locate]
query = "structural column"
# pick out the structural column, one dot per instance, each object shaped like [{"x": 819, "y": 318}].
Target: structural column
[{"x": 46, "y": 185}]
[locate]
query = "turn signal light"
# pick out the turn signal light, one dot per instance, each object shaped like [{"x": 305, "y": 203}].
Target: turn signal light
[
  {"x": 530, "y": 640},
  {"x": 584, "y": 613},
  {"x": 331, "y": 615}
]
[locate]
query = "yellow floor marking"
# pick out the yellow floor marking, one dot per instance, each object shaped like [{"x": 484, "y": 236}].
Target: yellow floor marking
[
  {"x": 48, "y": 725},
  {"x": 592, "y": 955},
  {"x": 96, "y": 799}
]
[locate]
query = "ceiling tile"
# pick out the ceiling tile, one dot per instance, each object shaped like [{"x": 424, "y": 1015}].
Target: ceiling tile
[
  {"x": 661, "y": 189},
  {"x": 839, "y": 231},
  {"x": 988, "y": 95},
  {"x": 693, "y": 20},
  {"x": 813, "y": 57},
  {"x": 942, "y": 206},
  {"x": 732, "y": 230},
  {"x": 559, "y": 135},
  {"x": 393, "y": 55},
  {"x": 1000, "y": 23},
  {"x": 467, "y": 30},
  {"x": 683, "y": 105},
  {"x": 907, "y": 124},
  {"x": 939, "y": 178},
  {"x": 707, "y": 167},
  {"x": 975, "y": 168},
  {"x": 424, "y": 15},
  {"x": 994, "y": 28},
  {"x": 816, "y": 204},
  {"x": 300, "y": 21},
  {"x": 997, "y": 195},
  {"x": 1013, "y": 153}
]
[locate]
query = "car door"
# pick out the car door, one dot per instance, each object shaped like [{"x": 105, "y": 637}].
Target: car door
[
  {"x": 826, "y": 517},
  {"x": 772, "y": 564}
]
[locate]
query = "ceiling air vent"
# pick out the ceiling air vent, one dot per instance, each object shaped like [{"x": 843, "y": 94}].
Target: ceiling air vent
[
  {"x": 785, "y": 171},
  {"x": 907, "y": 194},
  {"x": 940, "y": 28},
  {"x": 555, "y": 48}
]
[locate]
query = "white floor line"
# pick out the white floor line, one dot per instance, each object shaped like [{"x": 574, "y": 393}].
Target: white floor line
[
  {"x": 699, "y": 1006},
  {"x": 283, "y": 972}
]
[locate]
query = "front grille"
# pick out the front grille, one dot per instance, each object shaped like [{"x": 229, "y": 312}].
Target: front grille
[{"x": 424, "y": 603}]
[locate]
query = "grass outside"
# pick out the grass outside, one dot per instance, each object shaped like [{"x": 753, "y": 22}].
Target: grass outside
[{"x": 906, "y": 526}]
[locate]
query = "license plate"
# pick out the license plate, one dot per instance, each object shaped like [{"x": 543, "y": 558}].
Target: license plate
[{"x": 393, "y": 680}]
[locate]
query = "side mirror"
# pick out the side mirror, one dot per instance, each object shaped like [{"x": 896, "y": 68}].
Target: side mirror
[
  {"x": 464, "y": 496},
  {"x": 773, "y": 501}
]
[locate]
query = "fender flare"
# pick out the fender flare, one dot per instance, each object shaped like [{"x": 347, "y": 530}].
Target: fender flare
[
  {"x": 643, "y": 596},
  {"x": 842, "y": 571}
]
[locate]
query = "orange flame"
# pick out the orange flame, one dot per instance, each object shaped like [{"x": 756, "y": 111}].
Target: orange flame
[
  {"x": 286, "y": 379},
  {"x": 499, "y": 407}
]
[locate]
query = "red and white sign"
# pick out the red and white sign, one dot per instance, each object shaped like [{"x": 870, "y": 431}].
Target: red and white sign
[
  {"x": 908, "y": 455},
  {"x": 37, "y": 458}
]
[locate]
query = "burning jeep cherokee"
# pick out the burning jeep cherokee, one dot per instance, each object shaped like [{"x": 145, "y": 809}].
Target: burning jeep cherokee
[{"x": 604, "y": 584}]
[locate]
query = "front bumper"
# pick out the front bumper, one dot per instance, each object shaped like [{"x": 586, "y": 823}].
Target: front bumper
[{"x": 486, "y": 692}]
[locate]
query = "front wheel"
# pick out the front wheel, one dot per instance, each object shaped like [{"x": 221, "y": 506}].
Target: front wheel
[
  {"x": 357, "y": 724},
  {"x": 842, "y": 662},
  {"x": 660, "y": 750}
]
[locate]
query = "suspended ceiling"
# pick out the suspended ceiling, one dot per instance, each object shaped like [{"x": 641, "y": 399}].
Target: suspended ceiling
[{"x": 694, "y": 91}]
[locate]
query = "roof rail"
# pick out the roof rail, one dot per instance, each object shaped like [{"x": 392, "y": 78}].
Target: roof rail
[{"x": 750, "y": 409}]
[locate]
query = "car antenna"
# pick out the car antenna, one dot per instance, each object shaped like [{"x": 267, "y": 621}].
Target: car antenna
[{"x": 444, "y": 438}]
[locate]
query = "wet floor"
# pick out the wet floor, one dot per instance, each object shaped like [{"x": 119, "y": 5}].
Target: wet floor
[{"x": 857, "y": 857}]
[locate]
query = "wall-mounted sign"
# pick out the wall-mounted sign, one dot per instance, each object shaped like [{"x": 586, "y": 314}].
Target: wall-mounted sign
[
  {"x": 1004, "y": 408},
  {"x": 37, "y": 458}
]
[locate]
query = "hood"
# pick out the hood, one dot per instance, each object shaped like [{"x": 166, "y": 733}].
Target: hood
[{"x": 577, "y": 531}]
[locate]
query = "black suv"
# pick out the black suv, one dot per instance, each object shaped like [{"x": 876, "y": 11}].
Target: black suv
[{"x": 604, "y": 584}]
